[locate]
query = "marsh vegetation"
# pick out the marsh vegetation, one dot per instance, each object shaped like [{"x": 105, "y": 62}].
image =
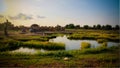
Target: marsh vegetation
[{"x": 65, "y": 48}]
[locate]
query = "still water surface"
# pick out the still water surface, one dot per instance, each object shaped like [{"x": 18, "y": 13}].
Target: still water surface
[
  {"x": 28, "y": 50},
  {"x": 69, "y": 45},
  {"x": 75, "y": 44}
]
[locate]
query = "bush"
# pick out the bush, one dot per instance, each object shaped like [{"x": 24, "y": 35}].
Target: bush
[{"x": 85, "y": 45}]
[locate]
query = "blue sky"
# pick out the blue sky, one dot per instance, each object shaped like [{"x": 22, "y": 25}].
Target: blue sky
[{"x": 62, "y": 12}]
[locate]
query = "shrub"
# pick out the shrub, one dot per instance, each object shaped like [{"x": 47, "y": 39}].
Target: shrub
[{"x": 85, "y": 45}]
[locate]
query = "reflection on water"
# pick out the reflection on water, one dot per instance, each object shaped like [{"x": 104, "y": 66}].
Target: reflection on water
[
  {"x": 69, "y": 45},
  {"x": 75, "y": 44},
  {"x": 28, "y": 50}
]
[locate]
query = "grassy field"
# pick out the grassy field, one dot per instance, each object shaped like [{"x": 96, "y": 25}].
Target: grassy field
[
  {"x": 109, "y": 35},
  {"x": 10, "y": 44},
  {"x": 97, "y": 57},
  {"x": 101, "y": 56}
]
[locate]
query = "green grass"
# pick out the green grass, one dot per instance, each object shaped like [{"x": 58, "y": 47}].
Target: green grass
[
  {"x": 29, "y": 39},
  {"x": 85, "y": 45},
  {"x": 44, "y": 45},
  {"x": 104, "y": 44},
  {"x": 37, "y": 38},
  {"x": 49, "y": 36},
  {"x": 10, "y": 44},
  {"x": 100, "y": 57},
  {"x": 80, "y": 36},
  {"x": 101, "y": 40},
  {"x": 95, "y": 57},
  {"x": 95, "y": 34}
]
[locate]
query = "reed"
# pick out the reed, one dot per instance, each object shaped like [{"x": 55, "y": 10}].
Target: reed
[
  {"x": 104, "y": 44},
  {"x": 85, "y": 45},
  {"x": 44, "y": 45},
  {"x": 9, "y": 45},
  {"x": 101, "y": 40},
  {"x": 29, "y": 39},
  {"x": 95, "y": 35}
]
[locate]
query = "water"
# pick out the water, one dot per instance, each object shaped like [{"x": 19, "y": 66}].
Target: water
[
  {"x": 69, "y": 45},
  {"x": 75, "y": 44},
  {"x": 28, "y": 50}
]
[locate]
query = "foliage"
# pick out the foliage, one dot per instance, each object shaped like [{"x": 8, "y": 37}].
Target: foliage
[
  {"x": 70, "y": 26},
  {"x": 86, "y": 27},
  {"x": 85, "y": 45},
  {"x": 44, "y": 45},
  {"x": 101, "y": 40},
  {"x": 104, "y": 44},
  {"x": 29, "y": 39},
  {"x": 95, "y": 35},
  {"x": 9, "y": 45},
  {"x": 102, "y": 56},
  {"x": 94, "y": 57}
]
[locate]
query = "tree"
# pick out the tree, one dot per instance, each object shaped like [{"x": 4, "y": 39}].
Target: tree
[
  {"x": 77, "y": 26},
  {"x": 98, "y": 26},
  {"x": 103, "y": 27},
  {"x": 108, "y": 27},
  {"x": 117, "y": 27},
  {"x": 34, "y": 28},
  {"x": 58, "y": 27},
  {"x": 94, "y": 26},
  {"x": 86, "y": 27},
  {"x": 70, "y": 26}
]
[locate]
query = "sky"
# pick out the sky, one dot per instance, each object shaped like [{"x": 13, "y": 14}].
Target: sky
[{"x": 60, "y": 12}]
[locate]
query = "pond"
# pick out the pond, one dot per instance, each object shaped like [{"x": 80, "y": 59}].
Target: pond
[
  {"x": 75, "y": 44},
  {"x": 28, "y": 50},
  {"x": 69, "y": 45}
]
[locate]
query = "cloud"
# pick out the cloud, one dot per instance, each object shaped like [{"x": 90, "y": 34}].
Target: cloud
[
  {"x": 41, "y": 17},
  {"x": 21, "y": 16}
]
